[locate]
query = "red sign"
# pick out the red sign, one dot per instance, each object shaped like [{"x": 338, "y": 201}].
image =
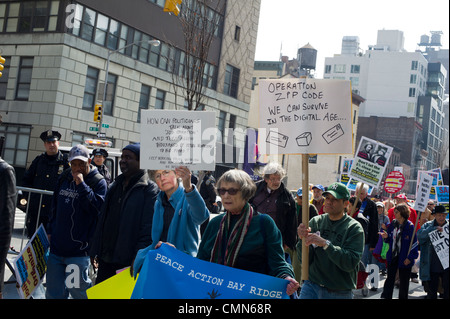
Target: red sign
[{"x": 394, "y": 182}]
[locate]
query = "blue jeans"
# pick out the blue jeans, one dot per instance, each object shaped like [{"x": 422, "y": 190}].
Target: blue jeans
[
  {"x": 67, "y": 275},
  {"x": 311, "y": 290}
]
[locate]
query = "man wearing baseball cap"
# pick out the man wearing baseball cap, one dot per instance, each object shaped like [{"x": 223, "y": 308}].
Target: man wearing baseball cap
[
  {"x": 77, "y": 199},
  {"x": 335, "y": 242}
]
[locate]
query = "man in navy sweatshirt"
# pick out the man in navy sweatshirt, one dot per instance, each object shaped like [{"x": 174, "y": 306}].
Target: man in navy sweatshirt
[{"x": 76, "y": 203}]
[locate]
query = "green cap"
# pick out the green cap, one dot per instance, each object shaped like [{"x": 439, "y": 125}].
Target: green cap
[{"x": 338, "y": 190}]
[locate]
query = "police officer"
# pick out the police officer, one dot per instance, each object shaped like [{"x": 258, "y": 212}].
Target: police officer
[
  {"x": 43, "y": 174},
  {"x": 99, "y": 158}
]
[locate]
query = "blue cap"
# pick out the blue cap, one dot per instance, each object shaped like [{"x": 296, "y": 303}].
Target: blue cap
[
  {"x": 319, "y": 187},
  {"x": 299, "y": 192}
]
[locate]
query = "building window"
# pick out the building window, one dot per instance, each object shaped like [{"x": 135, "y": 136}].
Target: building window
[
  {"x": 237, "y": 33},
  {"x": 160, "y": 98},
  {"x": 88, "y": 24},
  {"x": 327, "y": 69},
  {"x": 355, "y": 68},
  {"x": 413, "y": 79},
  {"x": 221, "y": 126},
  {"x": 414, "y": 65},
  {"x": 17, "y": 140},
  {"x": 231, "y": 84},
  {"x": 110, "y": 94},
  {"x": 4, "y": 77},
  {"x": 90, "y": 88},
  {"x": 29, "y": 16},
  {"x": 24, "y": 78},
  {"x": 354, "y": 80},
  {"x": 412, "y": 92},
  {"x": 144, "y": 100},
  {"x": 339, "y": 68}
]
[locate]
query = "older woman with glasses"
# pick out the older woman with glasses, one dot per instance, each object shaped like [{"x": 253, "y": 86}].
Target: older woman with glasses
[
  {"x": 241, "y": 237},
  {"x": 179, "y": 212}
]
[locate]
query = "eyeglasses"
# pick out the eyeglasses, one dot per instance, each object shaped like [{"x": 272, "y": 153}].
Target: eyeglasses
[
  {"x": 162, "y": 174},
  {"x": 231, "y": 191}
]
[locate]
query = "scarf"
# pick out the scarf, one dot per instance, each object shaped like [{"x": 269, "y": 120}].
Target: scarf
[{"x": 235, "y": 238}]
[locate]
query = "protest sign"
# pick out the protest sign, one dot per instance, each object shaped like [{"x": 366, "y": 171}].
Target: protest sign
[
  {"x": 31, "y": 264},
  {"x": 119, "y": 286},
  {"x": 370, "y": 161},
  {"x": 423, "y": 191},
  {"x": 394, "y": 182},
  {"x": 442, "y": 194},
  {"x": 305, "y": 116},
  {"x": 440, "y": 244},
  {"x": 171, "y": 138},
  {"x": 168, "y": 273}
]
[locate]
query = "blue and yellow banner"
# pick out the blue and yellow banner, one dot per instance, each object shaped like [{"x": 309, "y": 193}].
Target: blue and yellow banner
[{"x": 168, "y": 273}]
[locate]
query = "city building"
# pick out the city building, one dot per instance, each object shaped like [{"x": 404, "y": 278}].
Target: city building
[
  {"x": 403, "y": 94},
  {"x": 57, "y": 55}
]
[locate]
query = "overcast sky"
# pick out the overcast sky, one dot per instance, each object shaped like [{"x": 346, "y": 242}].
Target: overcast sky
[{"x": 290, "y": 24}]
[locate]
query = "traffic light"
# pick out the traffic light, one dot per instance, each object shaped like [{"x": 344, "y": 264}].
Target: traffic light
[
  {"x": 172, "y": 6},
  {"x": 2, "y": 62},
  {"x": 98, "y": 113}
]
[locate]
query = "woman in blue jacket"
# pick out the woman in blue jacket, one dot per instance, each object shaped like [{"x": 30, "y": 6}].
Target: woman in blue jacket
[
  {"x": 179, "y": 212},
  {"x": 399, "y": 235}
]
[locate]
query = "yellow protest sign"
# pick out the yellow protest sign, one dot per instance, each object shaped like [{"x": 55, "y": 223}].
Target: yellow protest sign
[{"x": 119, "y": 286}]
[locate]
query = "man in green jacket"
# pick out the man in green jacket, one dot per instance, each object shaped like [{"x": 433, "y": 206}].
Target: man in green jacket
[{"x": 336, "y": 244}]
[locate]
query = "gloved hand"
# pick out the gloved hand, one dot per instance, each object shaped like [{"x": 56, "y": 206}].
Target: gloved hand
[{"x": 139, "y": 260}]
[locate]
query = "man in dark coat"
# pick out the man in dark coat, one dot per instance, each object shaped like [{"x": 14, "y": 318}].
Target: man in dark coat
[
  {"x": 125, "y": 223},
  {"x": 43, "y": 174}
]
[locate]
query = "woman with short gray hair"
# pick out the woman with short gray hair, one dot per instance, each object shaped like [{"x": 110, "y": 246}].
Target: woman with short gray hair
[{"x": 241, "y": 237}]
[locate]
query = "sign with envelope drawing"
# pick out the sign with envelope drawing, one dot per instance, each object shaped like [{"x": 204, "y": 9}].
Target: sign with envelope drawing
[{"x": 305, "y": 116}]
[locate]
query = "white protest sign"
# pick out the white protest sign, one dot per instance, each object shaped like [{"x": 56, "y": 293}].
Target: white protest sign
[
  {"x": 425, "y": 182},
  {"x": 171, "y": 138},
  {"x": 440, "y": 244},
  {"x": 305, "y": 116},
  {"x": 370, "y": 161}
]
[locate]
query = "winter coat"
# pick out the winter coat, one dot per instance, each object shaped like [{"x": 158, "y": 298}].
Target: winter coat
[
  {"x": 134, "y": 230},
  {"x": 74, "y": 213}
]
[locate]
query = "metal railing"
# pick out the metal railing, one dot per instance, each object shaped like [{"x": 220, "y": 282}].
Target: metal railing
[{"x": 30, "y": 191}]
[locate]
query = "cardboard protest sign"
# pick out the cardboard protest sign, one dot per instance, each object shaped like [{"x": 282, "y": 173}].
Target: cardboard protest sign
[
  {"x": 394, "y": 182},
  {"x": 442, "y": 194},
  {"x": 440, "y": 244},
  {"x": 370, "y": 161},
  {"x": 119, "y": 286},
  {"x": 168, "y": 273},
  {"x": 425, "y": 181},
  {"x": 31, "y": 264},
  {"x": 305, "y": 116},
  {"x": 171, "y": 138}
]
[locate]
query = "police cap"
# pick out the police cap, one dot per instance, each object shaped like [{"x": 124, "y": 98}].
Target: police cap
[{"x": 50, "y": 136}]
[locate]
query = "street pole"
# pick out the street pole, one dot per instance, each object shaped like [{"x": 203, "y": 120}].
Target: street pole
[{"x": 105, "y": 87}]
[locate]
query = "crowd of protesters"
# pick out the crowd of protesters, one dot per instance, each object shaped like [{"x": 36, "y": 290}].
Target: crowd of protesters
[{"x": 96, "y": 222}]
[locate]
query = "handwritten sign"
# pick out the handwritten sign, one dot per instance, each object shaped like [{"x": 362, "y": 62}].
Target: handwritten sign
[
  {"x": 30, "y": 265},
  {"x": 305, "y": 116},
  {"x": 171, "y": 138},
  {"x": 423, "y": 191},
  {"x": 168, "y": 273},
  {"x": 440, "y": 244},
  {"x": 370, "y": 161}
]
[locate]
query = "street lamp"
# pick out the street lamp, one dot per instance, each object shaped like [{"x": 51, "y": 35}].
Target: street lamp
[{"x": 110, "y": 52}]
